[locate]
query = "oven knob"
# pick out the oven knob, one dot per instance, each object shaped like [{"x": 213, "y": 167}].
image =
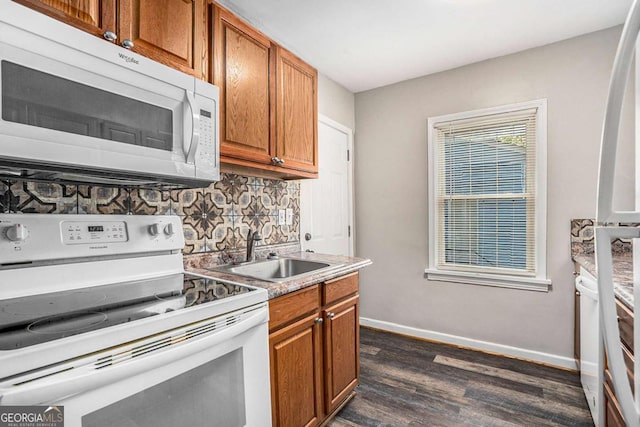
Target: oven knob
[
  {"x": 17, "y": 233},
  {"x": 154, "y": 229},
  {"x": 168, "y": 229}
]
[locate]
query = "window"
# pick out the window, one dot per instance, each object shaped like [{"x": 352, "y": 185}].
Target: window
[{"x": 487, "y": 196}]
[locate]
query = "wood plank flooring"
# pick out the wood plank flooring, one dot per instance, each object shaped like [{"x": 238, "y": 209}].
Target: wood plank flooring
[{"x": 408, "y": 382}]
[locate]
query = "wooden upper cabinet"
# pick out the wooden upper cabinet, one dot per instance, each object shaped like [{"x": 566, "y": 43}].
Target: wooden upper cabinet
[
  {"x": 268, "y": 98},
  {"x": 92, "y": 16},
  {"x": 297, "y": 113},
  {"x": 243, "y": 61},
  {"x": 172, "y": 32}
]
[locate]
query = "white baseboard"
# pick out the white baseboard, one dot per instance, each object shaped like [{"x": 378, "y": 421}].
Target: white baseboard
[{"x": 520, "y": 353}]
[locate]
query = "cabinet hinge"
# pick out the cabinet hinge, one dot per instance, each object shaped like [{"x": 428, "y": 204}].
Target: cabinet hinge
[
  {"x": 348, "y": 155},
  {"x": 349, "y": 230}
]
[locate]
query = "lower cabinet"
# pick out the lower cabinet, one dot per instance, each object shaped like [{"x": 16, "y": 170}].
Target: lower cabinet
[
  {"x": 341, "y": 356},
  {"x": 314, "y": 349},
  {"x": 613, "y": 412},
  {"x": 296, "y": 373}
]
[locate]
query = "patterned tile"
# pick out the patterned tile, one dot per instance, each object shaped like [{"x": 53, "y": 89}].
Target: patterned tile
[
  {"x": 215, "y": 219},
  {"x": 211, "y": 215},
  {"x": 171, "y": 197},
  {"x": 581, "y": 230},
  {"x": 254, "y": 209},
  {"x": 293, "y": 231},
  {"x": 5, "y": 197},
  {"x": 149, "y": 202},
  {"x": 193, "y": 242},
  {"x": 255, "y": 182},
  {"x": 224, "y": 237},
  {"x": 266, "y": 200},
  {"x": 192, "y": 214},
  {"x": 279, "y": 234},
  {"x": 42, "y": 197},
  {"x": 232, "y": 186},
  {"x": 277, "y": 192},
  {"x": 219, "y": 199},
  {"x": 104, "y": 200},
  {"x": 183, "y": 201}
]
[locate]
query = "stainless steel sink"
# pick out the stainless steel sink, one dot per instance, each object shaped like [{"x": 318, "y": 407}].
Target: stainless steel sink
[{"x": 275, "y": 270}]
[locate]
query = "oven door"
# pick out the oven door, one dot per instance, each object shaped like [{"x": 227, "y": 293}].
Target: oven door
[
  {"x": 64, "y": 107},
  {"x": 214, "y": 372}
]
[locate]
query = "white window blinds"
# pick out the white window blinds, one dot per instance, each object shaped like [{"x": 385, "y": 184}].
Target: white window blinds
[{"x": 485, "y": 193}]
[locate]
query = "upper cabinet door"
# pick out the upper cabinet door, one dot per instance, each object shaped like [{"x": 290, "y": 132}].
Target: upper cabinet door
[
  {"x": 243, "y": 59},
  {"x": 92, "y": 16},
  {"x": 297, "y": 111},
  {"x": 167, "y": 31}
]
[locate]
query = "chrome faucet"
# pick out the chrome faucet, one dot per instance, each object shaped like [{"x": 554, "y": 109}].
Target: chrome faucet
[{"x": 252, "y": 237}]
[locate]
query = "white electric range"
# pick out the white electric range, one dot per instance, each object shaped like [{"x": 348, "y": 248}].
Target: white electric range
[{"x": 98, "y": 316}]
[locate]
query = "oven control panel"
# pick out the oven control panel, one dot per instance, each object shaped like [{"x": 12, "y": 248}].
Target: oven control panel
[
  {"x": 83, "y": 232},
  {"x": 41, "y": 237}
]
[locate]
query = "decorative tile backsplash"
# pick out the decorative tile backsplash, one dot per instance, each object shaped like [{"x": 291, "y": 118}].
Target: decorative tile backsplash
[
  {"x": 215, "y": 219},
  {"x": 583, "y": 238}
]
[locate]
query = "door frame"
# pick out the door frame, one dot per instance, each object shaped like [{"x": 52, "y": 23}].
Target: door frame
[{"x": 305, "y": 185}]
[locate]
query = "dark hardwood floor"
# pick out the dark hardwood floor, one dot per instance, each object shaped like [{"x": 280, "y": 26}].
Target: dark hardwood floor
[{"x": 408, "y": 382}]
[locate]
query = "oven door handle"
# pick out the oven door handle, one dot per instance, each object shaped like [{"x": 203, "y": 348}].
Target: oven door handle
[{"x": 55, "y": 388}]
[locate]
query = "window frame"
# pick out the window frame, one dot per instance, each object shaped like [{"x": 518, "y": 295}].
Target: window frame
[{"x": 476, "y": 275}]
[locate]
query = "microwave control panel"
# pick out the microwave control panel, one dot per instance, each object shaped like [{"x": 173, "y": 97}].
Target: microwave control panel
[
  {"x": 207, "y": 146},
  {"x": 83, "y": 232}
]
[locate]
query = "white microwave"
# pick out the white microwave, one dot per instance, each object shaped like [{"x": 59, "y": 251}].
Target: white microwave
[{"x": 74, "y": 108}]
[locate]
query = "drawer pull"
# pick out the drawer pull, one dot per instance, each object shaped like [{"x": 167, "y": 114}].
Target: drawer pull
[{"x": 318, "y": 320}]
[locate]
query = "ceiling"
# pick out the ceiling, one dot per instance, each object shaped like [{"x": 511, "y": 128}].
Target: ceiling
[{"x": 364, "y": 44}]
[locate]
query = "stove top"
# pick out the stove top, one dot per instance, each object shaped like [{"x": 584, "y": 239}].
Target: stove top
[
  {"x": 37, "y": 319},
  {"x": 74, "y": 285}
]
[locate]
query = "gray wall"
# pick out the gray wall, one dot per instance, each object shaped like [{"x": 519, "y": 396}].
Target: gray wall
[
  {"x": 336, "y": 102},
  {"x": 391, "y": 183}
]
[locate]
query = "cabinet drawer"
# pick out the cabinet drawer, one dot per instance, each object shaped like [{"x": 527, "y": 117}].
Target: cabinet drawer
[
  {"x": 625, "y": 321},
  {"x": 613, "y": 415},
  {"x": 290, "y": 307},
  {"x": 629, "y": 362},
  {"x": 334, "y": 290}
]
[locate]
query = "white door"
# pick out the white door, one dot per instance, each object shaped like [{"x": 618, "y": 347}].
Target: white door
[{"x": 326, "y": 223}]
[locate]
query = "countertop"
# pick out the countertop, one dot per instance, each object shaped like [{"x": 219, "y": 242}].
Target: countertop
[
  {"x": 343, "y": 265},
  {"x": 622, "y": 273}
]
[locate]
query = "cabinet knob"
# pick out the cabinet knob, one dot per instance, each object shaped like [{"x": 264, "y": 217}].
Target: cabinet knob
[
  {"x": 330, "y": 315},
  {"x": 127, "y": 44},
  {"x": 318, "y": 320},
  {"x": 277, "y": 160},
  {"x": 110, "y": 35}
]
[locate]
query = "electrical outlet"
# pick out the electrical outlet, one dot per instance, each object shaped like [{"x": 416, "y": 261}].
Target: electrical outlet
[
  {"x": 281, "y": 217},
  {"x": 289, "y": 219}
]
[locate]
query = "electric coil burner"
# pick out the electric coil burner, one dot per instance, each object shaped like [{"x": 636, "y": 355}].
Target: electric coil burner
[{"x": 90, "y": 303}]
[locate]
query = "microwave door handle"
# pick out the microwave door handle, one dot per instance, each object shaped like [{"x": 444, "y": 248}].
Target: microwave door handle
[
  {"x": 194, "y": 133},
  {"x": 57, "y": 387}
]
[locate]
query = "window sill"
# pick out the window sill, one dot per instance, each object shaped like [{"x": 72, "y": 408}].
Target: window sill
[{"x": 499, "y": 281}]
